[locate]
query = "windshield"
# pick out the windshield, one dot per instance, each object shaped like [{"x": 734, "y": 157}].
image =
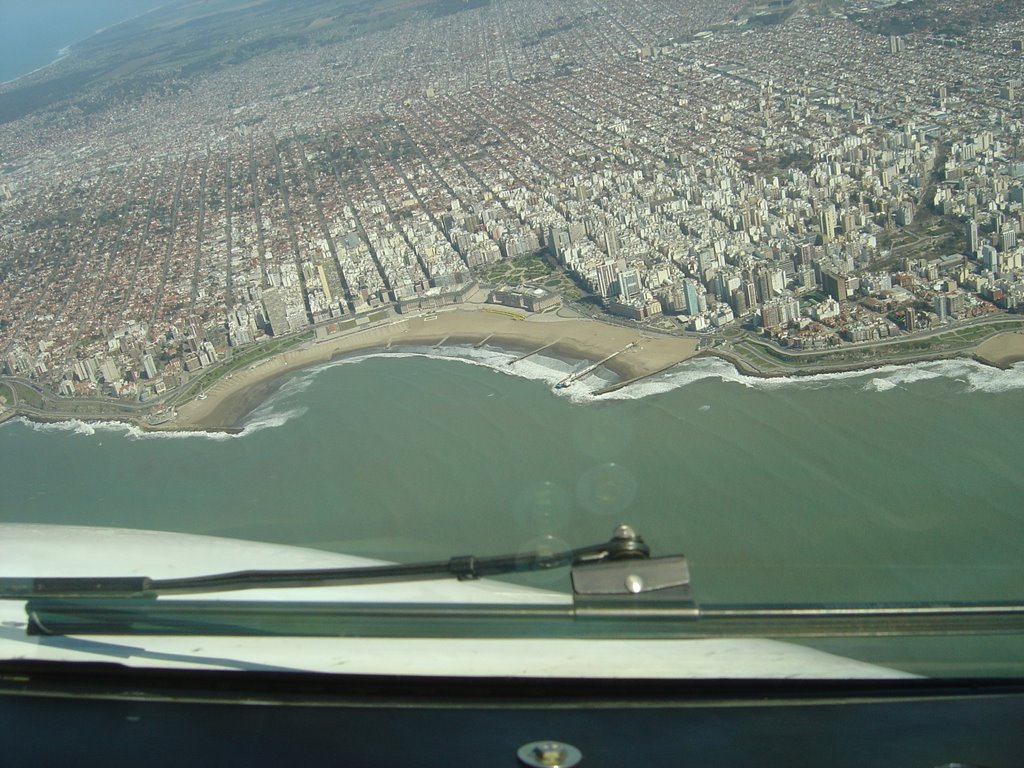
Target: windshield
[{"x": 407, "y": 281}]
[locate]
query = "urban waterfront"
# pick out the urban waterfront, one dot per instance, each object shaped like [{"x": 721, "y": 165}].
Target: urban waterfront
[
  {"x": 896, "y": 484},
  {"x": 209, "y": 180}
]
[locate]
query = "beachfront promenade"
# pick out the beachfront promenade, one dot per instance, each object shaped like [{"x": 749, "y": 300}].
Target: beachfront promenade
[
  {"x": 631, "y": 353},
  {"x": 570, "y": 338},
  {"x": 235, "y": 389}
]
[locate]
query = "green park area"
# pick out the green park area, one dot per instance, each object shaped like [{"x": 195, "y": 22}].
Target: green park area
[
  {"x": 27, "y": 396},
  {"x": 529, "y": 268},
  {"x": 533, "y": 269}
]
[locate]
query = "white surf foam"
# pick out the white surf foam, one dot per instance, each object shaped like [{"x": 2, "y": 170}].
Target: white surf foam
[
  {"x": 535, "y": 368},
  {"x": 75, "y": 426},
  {"x": 263, "y": 418},
  {"x": 880, "y": 385},
  {"x": 975, "y": 377},
  {"x": 971, "y": 375},
  {"x": 985, "y": 378}
]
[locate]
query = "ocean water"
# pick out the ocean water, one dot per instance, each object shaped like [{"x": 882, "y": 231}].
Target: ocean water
[
  {"x": 32, "y": 32},
  {"x": 902, "y": 483}
]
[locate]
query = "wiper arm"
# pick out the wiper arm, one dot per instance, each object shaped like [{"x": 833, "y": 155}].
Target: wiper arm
[
  {"x": 611, "y": 581},
  {"x": 625, "y": 544}
]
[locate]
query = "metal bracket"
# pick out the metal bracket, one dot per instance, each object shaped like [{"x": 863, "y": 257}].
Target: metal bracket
[{"x": 631, "y": 576}]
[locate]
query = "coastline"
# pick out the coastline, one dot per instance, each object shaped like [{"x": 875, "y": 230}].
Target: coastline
[
  {"x": 229, "y": 401},
  {"x": 62, "y": 53},
  {"x": 66, "y": 50},
  {"x": 1001, "y": 350},
  {"x": 233, "y": 397}
]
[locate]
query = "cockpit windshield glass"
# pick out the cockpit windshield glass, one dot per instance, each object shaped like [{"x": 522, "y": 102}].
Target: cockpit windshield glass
[{"x": 403, "y": 282}]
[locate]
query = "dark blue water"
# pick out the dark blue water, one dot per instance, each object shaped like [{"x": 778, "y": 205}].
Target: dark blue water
[{"x": 33, "y": 31}]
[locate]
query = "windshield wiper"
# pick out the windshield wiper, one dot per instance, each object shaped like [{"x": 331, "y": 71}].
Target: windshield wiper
[
  {"x": 615, "y": 580},
  {"x": 625, "y": 544}
]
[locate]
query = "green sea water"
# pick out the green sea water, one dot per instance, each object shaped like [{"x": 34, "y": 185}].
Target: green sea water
[{"x": 898, "y": 484}]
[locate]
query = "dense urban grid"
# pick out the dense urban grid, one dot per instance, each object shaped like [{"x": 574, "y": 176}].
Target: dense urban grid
[{"x": 802, "y": 172}]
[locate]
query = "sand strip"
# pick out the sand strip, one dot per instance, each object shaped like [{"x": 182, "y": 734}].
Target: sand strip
[
  {"x": 1002, "y": 350},
  {"x": 233, "y": 396}
]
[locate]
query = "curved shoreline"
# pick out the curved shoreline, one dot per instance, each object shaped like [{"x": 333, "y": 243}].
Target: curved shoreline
[
  {"x": 231, "y": 412},
  {"x": 231, "y": 399}
]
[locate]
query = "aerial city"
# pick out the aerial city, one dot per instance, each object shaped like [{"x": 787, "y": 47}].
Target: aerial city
[{"x": 193, "y": 201}]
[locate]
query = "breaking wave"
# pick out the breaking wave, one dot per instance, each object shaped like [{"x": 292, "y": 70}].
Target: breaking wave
[
  {"x": 972, "y": 376},
  {"x": 263, "y": 418},
  {"x": 536, "y": 367}
]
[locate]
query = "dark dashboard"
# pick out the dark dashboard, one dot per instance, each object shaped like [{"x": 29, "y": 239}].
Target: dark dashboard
[{"x": 98, "y": 714}]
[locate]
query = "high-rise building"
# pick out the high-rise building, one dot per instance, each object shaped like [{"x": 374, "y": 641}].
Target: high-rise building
[
  {"x": 1007, "y": 237},
  {"x": 726, "y": 283},
  {"x": 149, "y": 366},
  {"x": 629, "y": 284},
  {"x": 277, "y": 312},
  {"x": 85, "y": 370},
  {"x": 805, "y": 277},
  {"x": 694, "y": 295},
  {"x": 827, "y": 222},
  {"x": 896, "y": 44},
  {"x": 834, "y": 285},
  {"x": 611, "y": 242},
  {"x": 804, "y": 256},
  {"x": 709, "y": 260},
  {"x": 781, "y": 311},
  {"x": 109, "y": 371},
  {"x": 904, "y": 214},
  {"x": 771, "y": 316},
  {"x": 971, "y": 230},
  {"x": 738, "y": 302},
  {"x": 605, "y": 276},
  {"x": 750, "y": 293}
]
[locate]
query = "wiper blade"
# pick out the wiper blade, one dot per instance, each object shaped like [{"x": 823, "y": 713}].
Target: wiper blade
[
  {"x": 633, "y": 619},
  {"x": 624, "y": 544}
]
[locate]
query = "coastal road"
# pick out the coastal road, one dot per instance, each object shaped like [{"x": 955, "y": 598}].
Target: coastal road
[
  {"x": 995, "y": 319},
  {"x": 875, "y": 345}
]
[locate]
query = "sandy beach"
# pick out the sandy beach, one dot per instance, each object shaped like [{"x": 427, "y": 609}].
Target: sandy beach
[
  {"x": 233, "y": 396},
  {"x": 228, "y": 400},
  {"x": 1002, "y": 350}
]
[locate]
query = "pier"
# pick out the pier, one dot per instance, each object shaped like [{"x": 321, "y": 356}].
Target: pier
[
  {"x": 531, "y": 354},
  {"x": 626, "y": 382},
  {"x": 591, "y": 368},
  {"x": 441, "y": 342},
  {"x": 483, "y": 341}
]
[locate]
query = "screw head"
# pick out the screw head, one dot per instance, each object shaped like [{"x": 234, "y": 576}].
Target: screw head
[
  {"x": 549, "y": 754},
  {"x": 634, "y": 584}
]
